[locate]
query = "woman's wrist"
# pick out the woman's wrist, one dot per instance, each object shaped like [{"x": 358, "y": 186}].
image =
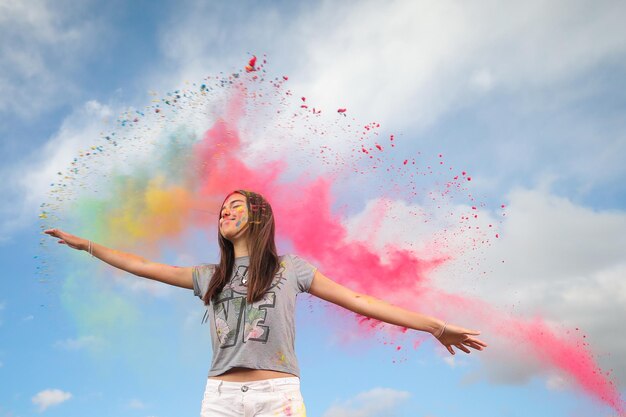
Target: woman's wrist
[
  {"x": 438, "y": 329},
  {"x": 85, "y": 245},
  {"x": 442, "y": 331}
]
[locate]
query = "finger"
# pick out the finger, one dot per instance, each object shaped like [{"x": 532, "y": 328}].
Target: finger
[
  {"x": 463, "y": 348},
  {"x": 478, "y": 341},
  {"x": 474, "y": 346},
  {"x": 450, "y": 349},
  {"x": 62, "y": 242}
]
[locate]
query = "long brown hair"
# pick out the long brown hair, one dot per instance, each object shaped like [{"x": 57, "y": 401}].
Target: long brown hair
[{"x": 261, "y": 247}]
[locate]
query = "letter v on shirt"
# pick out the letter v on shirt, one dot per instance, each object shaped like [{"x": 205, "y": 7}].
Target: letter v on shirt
[{"x": 260, "y": 335}]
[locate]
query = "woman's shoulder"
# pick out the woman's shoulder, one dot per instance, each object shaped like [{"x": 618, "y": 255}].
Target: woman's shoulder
[
  {"x": 206, "y": 265},
  {"x": 289, "y": 257},
  {"x": 204, "y": 269},
  {"x": 301, "y": 271},
  {"x": 289, "y": 254},
  {"x": 295, "y": 261}
]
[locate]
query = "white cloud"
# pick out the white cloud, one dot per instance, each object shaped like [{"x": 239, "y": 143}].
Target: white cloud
[
  {"x": 420, "y": 56},
  {"x": 411, "y": 62},
  {"x": 450, "y": 361},
  {"x": 41, "y": 46},
  {"x": 28, "y": 180},
  {"x": 82, "y": 342},
  {"x": 562, "y": 261},
  {"x": 566, "y": 263},
  {"x": 482, "y": 80},
  {"x": 416, "y": 62},
  {"x": 377, "y": 402},
  {"x": 50, "y": 397},
  {"x": 557, "y": 383}
]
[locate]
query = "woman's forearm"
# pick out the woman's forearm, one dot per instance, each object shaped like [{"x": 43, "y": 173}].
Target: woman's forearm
[
  {"x": 328, "y": 290},
  {"x": 180, "y": 277},
  {"x": 389, "y": 313},
  {"x": 125, "y": 261}
]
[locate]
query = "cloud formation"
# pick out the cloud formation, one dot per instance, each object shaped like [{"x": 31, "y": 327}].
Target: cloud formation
[
  {"x": 553, "y": 259},
  {"x": 50, "y": 397},
  {"x": 425, "y": 57},
  {"x": 377, "y": 402},
  {"x": 28, "y": 179},
  {"x": 564, "y": 262},
  {"x": 41, "y": 47},
  {"x": 524, "y": 74}
]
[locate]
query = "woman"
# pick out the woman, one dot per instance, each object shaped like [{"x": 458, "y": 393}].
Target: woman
[{"x": 252, "y": 292}]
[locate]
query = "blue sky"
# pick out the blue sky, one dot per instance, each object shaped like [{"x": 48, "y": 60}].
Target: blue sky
[{"x": 527, "y": 97}]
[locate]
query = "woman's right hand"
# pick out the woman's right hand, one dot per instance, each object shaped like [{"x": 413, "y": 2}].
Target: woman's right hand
[{"x": 72, "y": 241}]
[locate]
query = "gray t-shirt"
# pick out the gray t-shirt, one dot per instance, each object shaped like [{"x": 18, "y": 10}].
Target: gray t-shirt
[{"x": 260, "y": 335}]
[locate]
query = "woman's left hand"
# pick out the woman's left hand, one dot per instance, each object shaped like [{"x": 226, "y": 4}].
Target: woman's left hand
[{"x": 461, "y": 338}]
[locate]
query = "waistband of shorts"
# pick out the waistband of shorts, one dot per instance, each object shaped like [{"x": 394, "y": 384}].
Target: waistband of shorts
[{"x": 265, "y": 385}]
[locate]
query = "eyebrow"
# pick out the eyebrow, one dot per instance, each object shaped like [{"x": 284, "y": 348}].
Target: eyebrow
[{"x": 231, "y": 203}]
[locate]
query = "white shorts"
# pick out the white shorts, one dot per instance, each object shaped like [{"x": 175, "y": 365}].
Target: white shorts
[{"x": 264, "y": 398}]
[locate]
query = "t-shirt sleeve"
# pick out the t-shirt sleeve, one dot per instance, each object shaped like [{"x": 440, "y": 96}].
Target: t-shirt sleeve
[
  {"x": 202, "y": 275},
  {"x": 304, "y": 272}
]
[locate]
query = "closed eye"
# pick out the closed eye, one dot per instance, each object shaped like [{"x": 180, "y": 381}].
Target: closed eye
[{"x": 232, "y": 208}]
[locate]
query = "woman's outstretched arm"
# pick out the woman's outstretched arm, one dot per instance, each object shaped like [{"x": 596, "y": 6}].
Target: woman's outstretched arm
[
  {"x": 447, "y": 334},
  {"x": 180, "y": 277}
]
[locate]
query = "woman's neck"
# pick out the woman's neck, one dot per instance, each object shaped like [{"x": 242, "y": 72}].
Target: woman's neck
[{"x": 241, "y": 248}]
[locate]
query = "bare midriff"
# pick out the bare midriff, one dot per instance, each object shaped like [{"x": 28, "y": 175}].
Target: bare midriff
[{"x": 248, "y": 375}]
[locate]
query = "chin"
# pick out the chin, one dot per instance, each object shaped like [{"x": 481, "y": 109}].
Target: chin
[{"x": 226, "y": 235}]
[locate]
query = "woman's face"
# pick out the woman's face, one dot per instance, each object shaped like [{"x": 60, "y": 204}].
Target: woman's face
[{"x": 234, "y": 216}]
